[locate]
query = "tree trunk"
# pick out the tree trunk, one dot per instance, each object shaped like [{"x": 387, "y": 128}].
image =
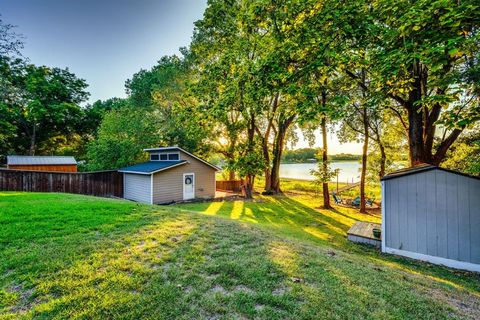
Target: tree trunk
[
  {"x": 277, "y": 155},
  {"x": 231, "y": 175},
  {"x": 364, "y": 161},
  {"x": 326, "y": 194},
  {"x": 266, "y": 156},
  {"x": 33, "y": 141},
  {"x": 278, "y": 145},
  {"x": 248, "y": 187},
  {"x": 250, "y": 144},
  {"x": 383, "y": 159},
  {"x": 415, "y": 137},
  {"x": 268, "y": 177}
]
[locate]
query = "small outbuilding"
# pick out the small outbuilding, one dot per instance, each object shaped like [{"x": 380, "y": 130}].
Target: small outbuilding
[
  {"x": 432, "y": 214},
  {"x": 171, "y": 175},
  {"x": 42, "y": 163}
]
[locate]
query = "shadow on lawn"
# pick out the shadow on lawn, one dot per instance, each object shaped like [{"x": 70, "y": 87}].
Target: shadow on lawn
[
  {"x": 287, "y": 216},
  {"x": 284, "y": 214}
]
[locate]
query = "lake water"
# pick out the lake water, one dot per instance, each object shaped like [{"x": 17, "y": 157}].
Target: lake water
[{"x": 348, "y": 170}]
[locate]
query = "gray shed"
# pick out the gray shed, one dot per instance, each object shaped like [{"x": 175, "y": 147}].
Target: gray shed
[
  {"x": 171, "y": 174},
  {"x": 432, "y": 214}
]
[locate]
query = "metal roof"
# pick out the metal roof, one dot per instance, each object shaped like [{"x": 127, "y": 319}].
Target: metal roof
[
  {"x": 40, "y": 160},
  {"x": 174, "y": 148},
  {"x": 152, "y": 166},
  {"x": 422, "y": 168}
]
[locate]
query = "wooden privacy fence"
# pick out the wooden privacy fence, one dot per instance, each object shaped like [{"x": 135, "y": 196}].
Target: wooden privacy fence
[
  {"x": 230, "y": 185},
  {"x": 101, "y": 183}
]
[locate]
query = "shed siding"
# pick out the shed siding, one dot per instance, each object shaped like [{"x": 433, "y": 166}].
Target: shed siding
[
  {"x": 168, "y": 184},
  {"x": 434, "y": 213},
  {"x": 44, "y": 167},
  {"x": 421, "y": 218},
  {"x": 137, "y": 187},
  {"x": 474, "y": 209}
]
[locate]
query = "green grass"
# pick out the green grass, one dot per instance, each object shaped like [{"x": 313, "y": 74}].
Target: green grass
[
  {"x": 70, "y": 256},
  {"x": 306, "y": 186}
]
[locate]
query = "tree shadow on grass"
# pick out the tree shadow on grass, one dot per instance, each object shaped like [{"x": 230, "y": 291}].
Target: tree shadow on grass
[
  {"x": 287, "y": 216},
  {"x": 45, "y": 234}
]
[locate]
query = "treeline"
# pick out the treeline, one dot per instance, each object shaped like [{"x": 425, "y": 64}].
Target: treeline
[
  {"x": 303, "y": 155},
  {"x": 401, "y": 77},
  {"x": 41, "y": 110}
]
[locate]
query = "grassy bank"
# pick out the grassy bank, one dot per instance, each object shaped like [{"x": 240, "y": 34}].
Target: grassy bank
[
  {"x": 69, "y": 256},
  {"x": 307, "y": 186}
]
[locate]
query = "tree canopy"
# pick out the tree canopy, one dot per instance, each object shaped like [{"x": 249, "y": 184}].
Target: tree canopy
[{"x": 401, "y": 77}]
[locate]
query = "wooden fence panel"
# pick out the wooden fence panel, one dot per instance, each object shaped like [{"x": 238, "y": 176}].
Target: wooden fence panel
[
  {"x": 230, "y": 185},
  {"x": 102, "y": 183}
]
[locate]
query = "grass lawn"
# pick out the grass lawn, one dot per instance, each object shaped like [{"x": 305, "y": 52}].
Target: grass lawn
[
  {"x": 70, "y": 256},
  {"x": 305, "y": 186}
]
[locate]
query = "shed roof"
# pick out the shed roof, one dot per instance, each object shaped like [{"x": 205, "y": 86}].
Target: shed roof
[
  {"x": 150, "y": 167},
  {"x": 422, "y": 168},
  {"x": 40, "y": 160}
]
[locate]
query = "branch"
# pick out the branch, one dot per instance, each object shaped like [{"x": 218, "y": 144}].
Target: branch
[
  {"x": 445, "y": 145},
  {"x": 399, "y": 115}
]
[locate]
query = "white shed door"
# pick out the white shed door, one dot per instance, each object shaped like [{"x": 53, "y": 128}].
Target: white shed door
[{"x": 188, "y": 186}]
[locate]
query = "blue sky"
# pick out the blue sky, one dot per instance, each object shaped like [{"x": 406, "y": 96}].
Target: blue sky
[{"x": 106, "y": 41}]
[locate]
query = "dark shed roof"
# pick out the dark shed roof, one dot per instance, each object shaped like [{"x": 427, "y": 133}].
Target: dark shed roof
[
  {"x": 152, "y": 166},
  {"x": 422, "y": 168},
  {"x": 40, "y": 160}
]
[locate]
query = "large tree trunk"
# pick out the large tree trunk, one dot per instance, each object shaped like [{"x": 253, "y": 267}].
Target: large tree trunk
[
  {"x": 326, "y": 195},
  {"x": 265, "y": 140},
  {"x": 279, "y": 142},
  {"x": 364, "y": 161},
  {"x": 415, "y": 137},
  {"x": 266, "y": 156},
  {"x": 231, "y": 175},
  {"x": 248, "y": 187},
  {"x": 421, "y": 122},
  {"x": 278, "y": 146},
  {"x": 250, "y": 144}
]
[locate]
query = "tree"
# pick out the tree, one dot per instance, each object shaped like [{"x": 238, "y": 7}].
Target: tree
[
  {"x": 39, "y": 103},
  {"x": 165, "y": 91},
  {"x": 122, "y": 136},
  {"x": 423, "y": 55},
  {"x": 323, "y": 174},
  {"x": 93, "y": 114},
  {"x": 10, "y": 42},
  {"x": 425, "y": 58},
  {"x": 390, "y": 150},
  {"x": 465, "y": 153}
]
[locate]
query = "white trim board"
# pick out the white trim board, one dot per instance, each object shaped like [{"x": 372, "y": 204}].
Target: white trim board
[
  {"x": 435, "y": 260},
  {"x": 382, "y": 183}
]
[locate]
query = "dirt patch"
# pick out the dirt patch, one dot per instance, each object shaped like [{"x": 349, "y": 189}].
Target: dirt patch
[
  {"x": 467, "y": 306},
  {"x": 259, "y": 307},
  {"x": 280, "y": 291},
  {"x": 24, "y": 302},
  {"x": 219, "y": 289},
  {"x": 243, "y": 289}
]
